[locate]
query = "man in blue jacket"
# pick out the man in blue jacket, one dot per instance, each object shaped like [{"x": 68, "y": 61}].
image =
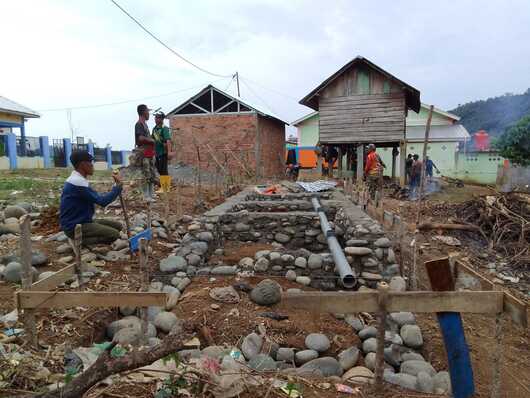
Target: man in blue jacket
[{"x": 78, "y": 200}]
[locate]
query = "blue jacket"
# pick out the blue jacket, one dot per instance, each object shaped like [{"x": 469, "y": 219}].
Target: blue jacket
[{"x": 78, "y": 199}]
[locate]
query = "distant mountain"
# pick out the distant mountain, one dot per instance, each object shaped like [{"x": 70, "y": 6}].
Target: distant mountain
[{"x": 494, "y": 114}]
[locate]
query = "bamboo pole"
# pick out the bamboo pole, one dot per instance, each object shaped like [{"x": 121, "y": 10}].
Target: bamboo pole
[
  {"x": 78, "y": 237},
  {"x": 27, "y": 276},
  {"x": 144, "y": 280}
]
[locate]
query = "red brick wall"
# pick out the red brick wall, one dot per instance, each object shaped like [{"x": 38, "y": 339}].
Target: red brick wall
[
  {"x": 223, "y": 133},
  {"x": 272, "y": 134}
]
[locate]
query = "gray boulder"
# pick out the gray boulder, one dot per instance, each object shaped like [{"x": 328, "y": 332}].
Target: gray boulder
[
  {"x": 290, "y": 275},
  {"x": 358, "y": 251},
  {"x": 314, "y": 261},
  {"x": 267, "y": 292},
  {"x": 173, "y": 264},
  {"x": 282, "y": 238},
  {"x": 285, "y": 354},
  {"x": 370, "y": 345},
  {"x": 354, "y": 322},
  {"x": 303, "y": 280},
  {"x": 261, "y": 265},
  {"x": 425, "y": 382},
  {"x": 224, "y": 270},
  {"x": 348, "y": 358},
  {"x": 383, "y": 242},
  {"x": 165, "y": 321},
  {"x": 300, "y": 262},
  {"x": 226, "y": 294},
  {"x": 401, "y": 379},
  {"x": 246, "y": 263},
  {"x": 411, "y": 335},
  {"x": 318, "y": 342},
  {"x": 14, "y": 211},
  {"x": 403, "y": 318},
  {"x": 38, "y": 258},
  {"x": 304, "y": 356},
  {"x": 262, "y": 362},
  {"x": 442, "y": 383},
  {"x": 251, "y": 345},
  {"x": 367, "y": 332},
  {"x": 414, "y": 367},
  {"x": 328, "y": 366}
]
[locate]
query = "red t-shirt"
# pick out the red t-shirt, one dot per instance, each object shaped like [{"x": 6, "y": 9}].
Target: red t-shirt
[{"x": 141, "y": 129}]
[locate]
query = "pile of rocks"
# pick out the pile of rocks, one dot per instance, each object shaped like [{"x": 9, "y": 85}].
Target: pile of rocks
[{"x": 10, "y": 219}]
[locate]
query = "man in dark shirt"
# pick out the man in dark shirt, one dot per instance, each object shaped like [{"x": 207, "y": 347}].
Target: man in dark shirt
[
  {"x": 162, "y": 139},
  {"x": 146, "y": 149},
  {"x": 408, "y": 168}
]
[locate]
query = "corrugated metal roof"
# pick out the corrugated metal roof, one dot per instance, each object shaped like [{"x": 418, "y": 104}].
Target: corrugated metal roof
[
  {"x": 452, "y": 132},
  {"x": 9, "y": 106},
  {"x": 309, "y": 115}
]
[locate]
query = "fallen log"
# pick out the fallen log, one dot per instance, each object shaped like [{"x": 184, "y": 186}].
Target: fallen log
[
  {"x": 462, "y": 227},
  {"x": 106, "y": 366}
]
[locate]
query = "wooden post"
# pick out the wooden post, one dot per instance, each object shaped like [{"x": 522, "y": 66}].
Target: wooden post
[
  {"x": 382, "y": 289},
  {"x": 422, "y": 181},
  {"x": 402, "y": 162},
  {"x": 144, "y": 281},
  {"x": 27, "y": 276},
  {"x": 496, "y": 358},
  {"x": 452, "y": 328},
  {"x": 78, "y": 238},
  {"x": 360, "y": 162},
  {"x": 394, "y": 159},
  {"x": 339, "y": 166}
]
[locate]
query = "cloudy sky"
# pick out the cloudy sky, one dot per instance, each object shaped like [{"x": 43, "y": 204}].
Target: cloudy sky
[{"x": 74, "y": 53}]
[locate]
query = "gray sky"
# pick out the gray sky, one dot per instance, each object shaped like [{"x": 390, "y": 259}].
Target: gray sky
[{"x": 59, "y": 54}]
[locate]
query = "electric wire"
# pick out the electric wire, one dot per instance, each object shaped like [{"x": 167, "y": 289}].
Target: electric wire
[
  {"x": 125, "y": 101},
  {"x": 272, "y": 90},
  {"x": 165, "y": 45},
  {"x": 256, "y": 95}
]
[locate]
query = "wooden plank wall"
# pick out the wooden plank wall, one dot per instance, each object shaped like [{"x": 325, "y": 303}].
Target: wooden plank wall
[{"x": 352, "y": 111}]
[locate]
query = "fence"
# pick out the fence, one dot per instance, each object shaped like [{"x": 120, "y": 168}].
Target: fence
[
  {"x": 41, "y": 152},
  {"x": 29, "y": 147}
]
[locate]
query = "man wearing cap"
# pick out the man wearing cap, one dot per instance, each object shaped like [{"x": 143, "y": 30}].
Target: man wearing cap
[
  {"x": 145, "y": 146},
  {"x": 162, "y": 140},
  {"x": 78, "y": 200}
]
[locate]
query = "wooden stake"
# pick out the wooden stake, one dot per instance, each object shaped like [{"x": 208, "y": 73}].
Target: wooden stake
[
  {"x": 27, "y": 276},
  {"x": 382, "y": 289},
  {"x": 78, "y": 238},
  {"x": 422, "y": 181},
  {"x": 496, "y": 358},
  {"x": 144, "y": 281}
]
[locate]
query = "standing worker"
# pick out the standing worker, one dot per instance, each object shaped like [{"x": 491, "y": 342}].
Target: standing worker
[
  {"x": 146, "y": 151},
  {"x": 429, "y": 165},
  {"x": 415, "y": 179},
  {"x": 162, "y": 139},
  {"x": 372, "y": 170},
  {"x": 408, "y": 169}
]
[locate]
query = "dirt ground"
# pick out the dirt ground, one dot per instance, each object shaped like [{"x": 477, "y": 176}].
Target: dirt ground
[{"x": 229, "y": 323}]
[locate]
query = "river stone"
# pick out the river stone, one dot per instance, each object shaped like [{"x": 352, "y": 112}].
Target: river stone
[
  {"x": 318, "y": 342},
  {"x": 314, "y": 261},
  {"x": 379, "y": 253},
  {"x": 290, "y": 275},
  {"x": 304, "y": 356},
  {"x": 205, "y": 236},
  {"x": 214, "y": 351},
  {"x": 282, "y": 238},
  {"x": 383, "y": 242},
  {"x": 328, "y": 366},
  {"x": 411, "y": 335},
  {"x": 403, "y": 318},
  {"x": 303, "y": 280},
  {"x": 300, "y": 262},
  {"x": 169, "y": 289},
  {"x": 356, "y": 242},
  {"x": 369, "y": 360},
  {"x": 64, "y": 248},
  {"x": 401, "y": 379},
  {"x": 261, "y": 253},
  {"x": 14, "y": 211},
  {"x": 369, "y": 276},
  {"x": 172, "y": 299},
  {"x": 199, "y": 247},
  {"x": 261, "y": 265},
  {"x": 267, "y": 292},
  {"x": 392, "y": 355},
  {"x": 285, "y": 354},
  {"x": 391, "y": 256},
  {"x": 397, "y": 284},
  {"x": 13, "y": 272},
  {"x": 173, "y": 264},
  {"x": 275, "y": 257},
  {"x": 193, "y": 259},
  {"x": 152, "y": 312},
  {"x": 251, "y": 345},
  {"x": 425, "y": 382},
  {"x": 354, "y": 322},
  {"x": 46, "y": 274},
  {"x": 183, "y": 284},
  {"x": 131, "y": 322},
  {"x": 287, "y": 259},
  {"x": 348, "y": 358},
  {"x": 165, "y": 321},
  {"x": 224, "y": 270},
  {"x": 226, "y": 294},
  {"x": 127, "y": 311},
  {"x": 357, "y": 251},
  {"x": 367, "y": 332},
  {"x": 128, "y": 336},
  {"x": 262, "y": 362},
  {"x": 409, "y": 356},
  {"x": 442, "y": 383},
  {"x": 242, "y": 227},
  {"x": 370, "y": 345},
  {"x": 359, "y": 374},
  {"x": 38, "y": 258},
  {"x": 246, "y": 263},
  {"x": 414, "y": 367}
]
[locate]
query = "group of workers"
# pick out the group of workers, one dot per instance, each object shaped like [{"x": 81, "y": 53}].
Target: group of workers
[
  {"x": 150, "y": 157},
  {"x": 413, "y": 166}
]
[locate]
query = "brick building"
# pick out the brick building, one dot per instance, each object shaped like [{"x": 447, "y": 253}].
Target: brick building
[{"x": 228, "y": 131}]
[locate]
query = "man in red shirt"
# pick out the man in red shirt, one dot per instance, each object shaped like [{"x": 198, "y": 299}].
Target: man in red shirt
[
  {"x": 146, "y": 149},
  {"x": 372, "y": 170}
]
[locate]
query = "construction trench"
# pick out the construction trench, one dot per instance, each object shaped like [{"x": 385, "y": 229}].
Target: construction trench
[{"x": 248, "y": 257}]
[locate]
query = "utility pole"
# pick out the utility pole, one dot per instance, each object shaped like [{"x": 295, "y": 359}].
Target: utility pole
[{"x": 237, "y": 82}]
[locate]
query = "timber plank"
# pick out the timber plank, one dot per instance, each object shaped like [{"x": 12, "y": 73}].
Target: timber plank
[
  {"x": 52, "y": 281},
  {"x": 429, "y": 302},
  {"x": 364, "y": 97},
  {"x": 31, "y": 299}
]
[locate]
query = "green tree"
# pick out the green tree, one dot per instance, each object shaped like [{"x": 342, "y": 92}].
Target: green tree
[{"x": 514, "y": 144}]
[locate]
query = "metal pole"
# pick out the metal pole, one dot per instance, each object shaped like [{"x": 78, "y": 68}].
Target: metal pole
[{"x": 237, "y": 82}]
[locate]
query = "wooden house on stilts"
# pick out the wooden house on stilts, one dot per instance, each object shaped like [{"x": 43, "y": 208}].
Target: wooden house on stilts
[{"x": 361, "y": 104}]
